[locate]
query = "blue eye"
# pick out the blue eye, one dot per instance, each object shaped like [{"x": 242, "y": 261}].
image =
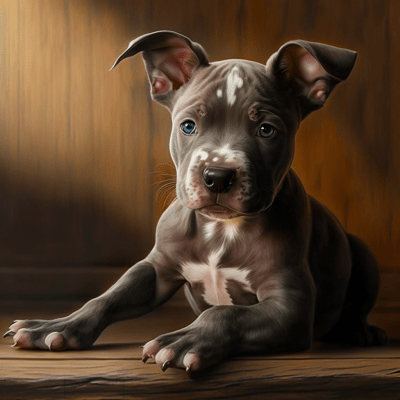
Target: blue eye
[
  {"x": 188, "y": 127},
  {"x": 266, "y": 131}
]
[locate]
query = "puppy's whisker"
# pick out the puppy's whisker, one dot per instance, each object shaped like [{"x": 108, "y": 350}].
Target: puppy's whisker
[
  {"x": 165, "y": 191},
  {"x": 173, "y": 181},
  {"x": 165, "y": 187},
  {"x": 167, "y": 201},
  {"x": 166, "y": 183},
  {"x": 162, "y": 174},
  {"x": 165, "y": 165}
]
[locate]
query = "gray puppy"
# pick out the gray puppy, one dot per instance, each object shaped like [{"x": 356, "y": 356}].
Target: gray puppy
[{"x": 267, "y": 267}]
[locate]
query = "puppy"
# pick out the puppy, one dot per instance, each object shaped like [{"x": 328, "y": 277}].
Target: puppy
[{"x": 266, "y": 267}]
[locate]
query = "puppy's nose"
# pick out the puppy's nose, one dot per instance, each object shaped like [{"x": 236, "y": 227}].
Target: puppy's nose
[{"x": 218, "y": 180}]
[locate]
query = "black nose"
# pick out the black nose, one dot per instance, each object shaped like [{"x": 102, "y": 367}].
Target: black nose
[{"x": 218, "y": 180}]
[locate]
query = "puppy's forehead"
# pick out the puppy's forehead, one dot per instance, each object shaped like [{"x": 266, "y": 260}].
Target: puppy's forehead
[
  {"x": 232, "y": 70},
  {"x": 229, "y": 83},
  {"x": 233, "y": 79}
]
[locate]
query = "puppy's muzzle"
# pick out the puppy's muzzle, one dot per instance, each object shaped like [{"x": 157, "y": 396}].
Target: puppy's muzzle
[{"x": 218, "y": 180}]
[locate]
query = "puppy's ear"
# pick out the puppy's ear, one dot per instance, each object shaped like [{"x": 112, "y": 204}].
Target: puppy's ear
[
  {"x": 311, "y": 70},
  {"x": 170, "y": 59}
]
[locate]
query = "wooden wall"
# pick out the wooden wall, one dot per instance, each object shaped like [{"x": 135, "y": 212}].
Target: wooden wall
[{"x": 81, "y": 147}]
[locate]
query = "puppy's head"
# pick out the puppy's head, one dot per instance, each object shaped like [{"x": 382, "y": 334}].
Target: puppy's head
[{"x": 234, "y": 121}]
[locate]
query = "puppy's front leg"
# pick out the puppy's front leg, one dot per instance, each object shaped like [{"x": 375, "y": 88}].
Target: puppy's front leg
[
  {"x": 137, "y": 292},
  {"x": 281, "y": 321}
]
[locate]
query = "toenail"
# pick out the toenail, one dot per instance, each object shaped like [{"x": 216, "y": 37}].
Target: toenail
[{"x": 165, "y": 366}]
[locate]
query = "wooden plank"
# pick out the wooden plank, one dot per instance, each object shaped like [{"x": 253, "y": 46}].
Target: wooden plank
[
  {"x": 234, "y": 379},
  {"x": 278, "y": 376},
  {"x": 113, "y": 367}
]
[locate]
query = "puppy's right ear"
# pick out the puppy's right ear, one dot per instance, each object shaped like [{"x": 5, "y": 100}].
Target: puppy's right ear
[{"x": 170, "y": 59}]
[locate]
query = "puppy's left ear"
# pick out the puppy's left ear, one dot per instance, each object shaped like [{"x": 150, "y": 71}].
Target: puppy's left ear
[
  {"x": 170, "y": 59},
  {"x": 311, "y": 70}
]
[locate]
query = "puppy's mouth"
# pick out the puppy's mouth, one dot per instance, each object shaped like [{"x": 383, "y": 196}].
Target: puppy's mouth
[{"x": 219, "y": 212}]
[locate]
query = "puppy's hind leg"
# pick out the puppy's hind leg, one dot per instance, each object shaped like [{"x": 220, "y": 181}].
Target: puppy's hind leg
[{"x": 352, "y": 326}]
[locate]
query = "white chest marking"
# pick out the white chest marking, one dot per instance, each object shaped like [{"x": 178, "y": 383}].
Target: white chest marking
[
  {"x": 234, "y": 82},
  {"x": 214, "y": 278},
  {"x": 219, "y": 93}
]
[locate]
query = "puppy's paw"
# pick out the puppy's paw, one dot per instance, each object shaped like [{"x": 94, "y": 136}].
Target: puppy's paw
[
  {"x": 176, "y": 355},
  {"x": 196, "y": 348},
  {"x": 180, "y": 353},
  {"x": 54, "y": 335},
  {"x": 370, "y": 336}
]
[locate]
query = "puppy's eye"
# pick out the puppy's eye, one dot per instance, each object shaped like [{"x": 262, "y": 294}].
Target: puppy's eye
[
  {"x": 266, "y": 131},
  {"x": 188, "y": 127}
]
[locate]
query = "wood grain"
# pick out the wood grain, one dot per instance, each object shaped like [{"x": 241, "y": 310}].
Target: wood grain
[
  {"x": 112, "y": 369},
  {"x": 238, "y": 379}
]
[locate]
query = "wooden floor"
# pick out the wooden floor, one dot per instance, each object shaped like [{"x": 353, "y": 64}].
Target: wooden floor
[{"x": 112, "y": 369}]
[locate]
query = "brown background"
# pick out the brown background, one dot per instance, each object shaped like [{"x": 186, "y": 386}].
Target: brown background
[{"x": 82, "y": 148}]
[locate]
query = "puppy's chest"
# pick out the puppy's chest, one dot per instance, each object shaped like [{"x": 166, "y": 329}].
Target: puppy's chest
[{"x": 219, "y": 271}]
